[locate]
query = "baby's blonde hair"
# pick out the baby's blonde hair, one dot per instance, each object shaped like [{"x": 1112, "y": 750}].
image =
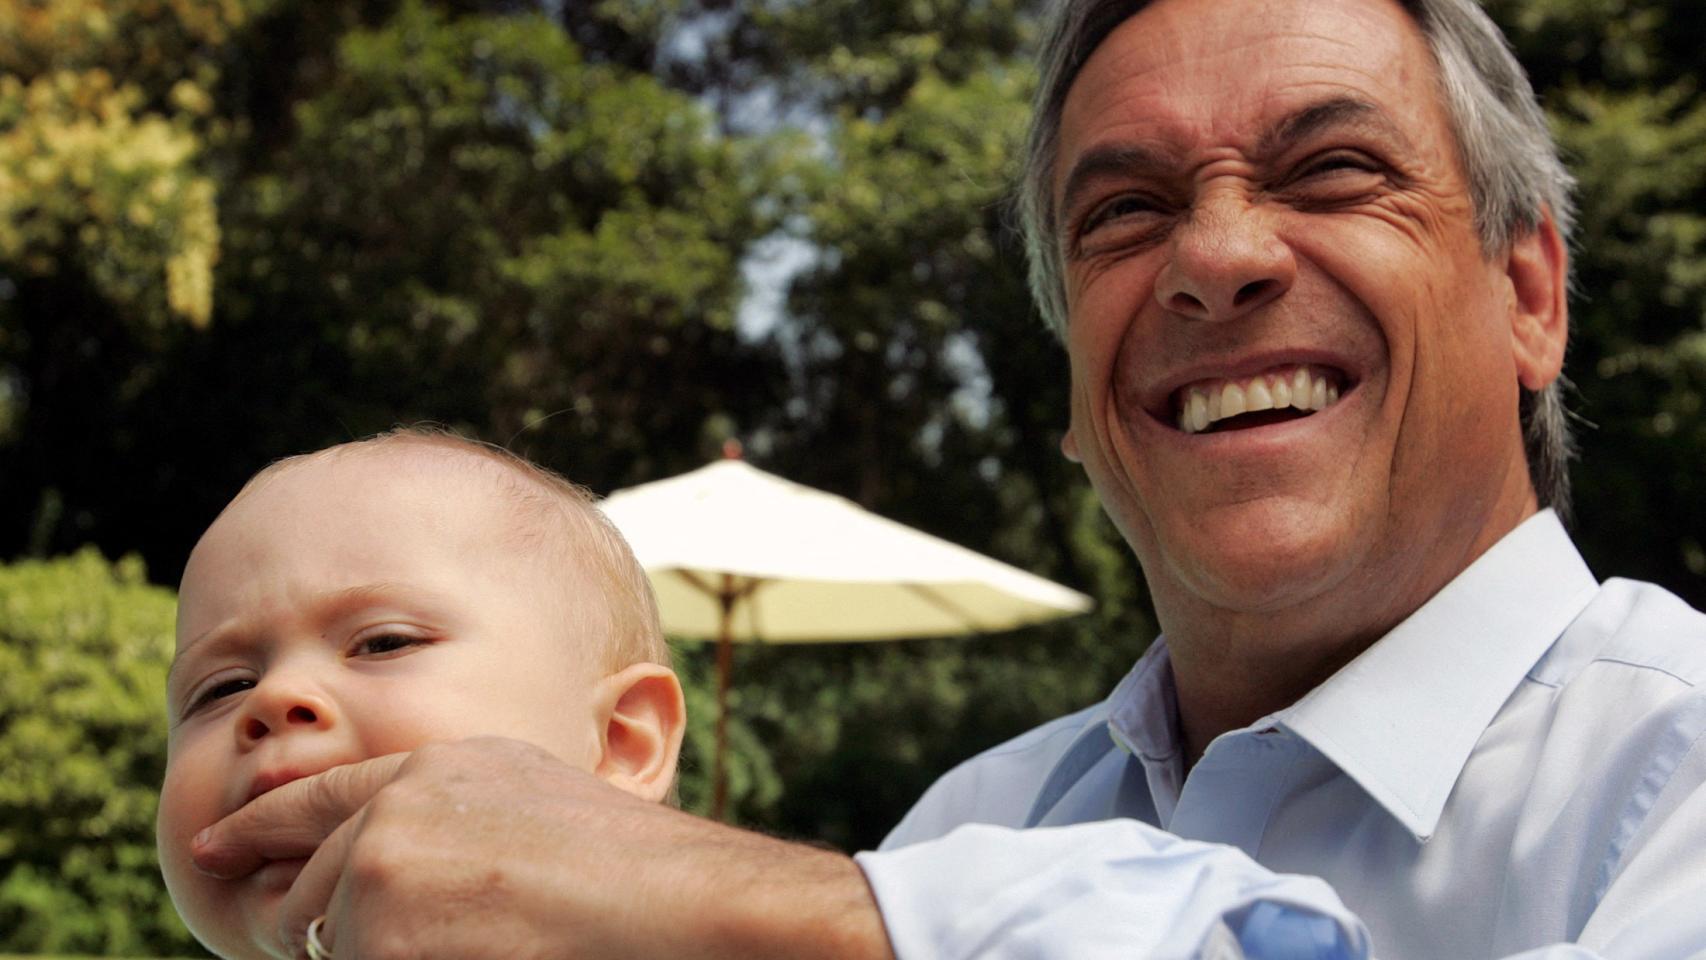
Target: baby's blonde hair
[{"x": 561, "y": 518}]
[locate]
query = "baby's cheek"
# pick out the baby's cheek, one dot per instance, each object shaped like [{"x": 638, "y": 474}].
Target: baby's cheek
[
  {"x": 186, "y": 808},
  {"x": 217, "y": 912}
]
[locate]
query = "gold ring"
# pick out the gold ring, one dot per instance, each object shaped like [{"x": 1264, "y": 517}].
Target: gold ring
[{"x": 316, "y": 949}]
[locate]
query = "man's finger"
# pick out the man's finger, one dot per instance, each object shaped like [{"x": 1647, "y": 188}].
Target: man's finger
[
  {"x": 312, "y": 891},
  {"x": 292, "y": 820}
]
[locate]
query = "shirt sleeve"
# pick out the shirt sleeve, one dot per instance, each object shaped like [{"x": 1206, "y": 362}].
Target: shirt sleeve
[
  {"x": 1123, "y": 889},
  {"x": 1116, "y": 888}
]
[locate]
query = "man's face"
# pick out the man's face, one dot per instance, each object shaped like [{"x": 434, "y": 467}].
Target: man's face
[
  {"x": 349, "y": 608},
  {"x": 1261, "y": 203}
]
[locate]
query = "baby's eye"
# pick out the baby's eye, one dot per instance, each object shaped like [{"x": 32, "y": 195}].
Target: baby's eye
[
  {"x": 384, "y": 643},
  {"x": 219, "y": 691}
]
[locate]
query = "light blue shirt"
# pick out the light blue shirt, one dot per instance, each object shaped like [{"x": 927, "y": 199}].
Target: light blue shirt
[{"x": 1518, "y": 767}]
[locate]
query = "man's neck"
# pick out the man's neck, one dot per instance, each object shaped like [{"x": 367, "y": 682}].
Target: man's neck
[
  {"x": 1231, "y": 682},
  {"x": 1232, "y": 668},
  {"x": 1220, "y": 691}
]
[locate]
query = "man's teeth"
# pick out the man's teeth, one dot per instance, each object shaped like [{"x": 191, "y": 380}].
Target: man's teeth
[{"x": 1211, "y": 401}]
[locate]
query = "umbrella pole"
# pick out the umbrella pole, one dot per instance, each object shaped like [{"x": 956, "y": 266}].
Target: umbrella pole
[{"x": 725, "y": 666}]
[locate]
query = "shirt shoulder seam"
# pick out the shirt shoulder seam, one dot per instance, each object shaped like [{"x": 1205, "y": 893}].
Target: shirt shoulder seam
[
  {"x": 1071, "y": 725},
  {"x": 1638, "y": 665}
]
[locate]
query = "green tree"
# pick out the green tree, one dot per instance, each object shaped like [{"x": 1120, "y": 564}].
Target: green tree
[
  {"x": 102, "y": 109},
  {"x": 84, "y": 647},
  {"x": 108, "y": 226},
  {"x": 424, "y": 214},
  {"x": 486, "y": 228},
  {"x": 1622, "y": 84}
]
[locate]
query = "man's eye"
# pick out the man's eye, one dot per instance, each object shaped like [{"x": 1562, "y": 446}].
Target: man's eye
[
  {"x": 1338, "y": 162},
  {"x": 1126, "y": 222},
  {"x": 219, "y": 691},
  {"x": 384, "y": 643},
  {"x": 1121, "y": 207}
]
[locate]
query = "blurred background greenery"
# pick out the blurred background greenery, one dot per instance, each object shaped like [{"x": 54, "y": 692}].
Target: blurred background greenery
[{"x": 612, "y": 234}]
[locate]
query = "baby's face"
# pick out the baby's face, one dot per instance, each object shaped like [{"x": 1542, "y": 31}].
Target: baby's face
[{"x": 350, "y": 608}]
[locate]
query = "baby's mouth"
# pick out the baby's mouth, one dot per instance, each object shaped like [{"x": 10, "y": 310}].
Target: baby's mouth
[
  {"x": 1289, "y": 392},
  {"x": 272, "y": 780}
]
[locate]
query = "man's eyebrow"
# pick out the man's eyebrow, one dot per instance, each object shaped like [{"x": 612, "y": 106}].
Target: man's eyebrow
[
  {"x": 1327, "y": 114},
  {"x": 1108, "y": 160},
  {"x": 1128, "y": 159}
]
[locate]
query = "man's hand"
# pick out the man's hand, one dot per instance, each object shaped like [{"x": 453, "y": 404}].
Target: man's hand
[{"x": 494, "y": 848}]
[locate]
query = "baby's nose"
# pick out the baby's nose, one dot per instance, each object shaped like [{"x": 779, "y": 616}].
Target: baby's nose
[
  {"x": 271, "y": 710},
  {"x": 299, "y": 714}
]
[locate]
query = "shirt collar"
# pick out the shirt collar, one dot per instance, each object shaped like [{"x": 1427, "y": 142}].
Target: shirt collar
[
  {"x": 1142, "y": 701},
  {"x": 1405, "y": 742}
]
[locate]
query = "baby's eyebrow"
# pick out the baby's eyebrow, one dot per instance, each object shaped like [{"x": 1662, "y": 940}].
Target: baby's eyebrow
[
  {"x": 322, "y": 609},
  {"x": 339, "y": 602},
  {"x": 181, "y": 656}
]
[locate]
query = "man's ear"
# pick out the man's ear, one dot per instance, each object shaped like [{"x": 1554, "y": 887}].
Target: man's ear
[
  {"x": 642, "y": 718},
  {"x": 1538, "y": 269}
]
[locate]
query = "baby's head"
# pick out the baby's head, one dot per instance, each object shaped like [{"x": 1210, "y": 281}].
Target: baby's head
[{"x": 381, "y": 595}]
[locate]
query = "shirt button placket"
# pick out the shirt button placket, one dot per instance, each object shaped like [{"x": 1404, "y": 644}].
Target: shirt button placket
[{"x": 1230, "y": 792}]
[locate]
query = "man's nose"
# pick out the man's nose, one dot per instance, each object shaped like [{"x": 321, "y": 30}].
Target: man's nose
[
  {"x": 281, "y": 704},
  {"x": 1227, "y": 261}
]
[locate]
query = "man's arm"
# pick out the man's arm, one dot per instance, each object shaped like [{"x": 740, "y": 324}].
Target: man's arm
[
  {"x": 495, "y": 848},
  {"x": 1112, "y": 889},
  {"x": 1121, "y": 889}
]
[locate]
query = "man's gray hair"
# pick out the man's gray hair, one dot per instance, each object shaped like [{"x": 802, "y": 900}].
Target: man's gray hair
[{"x": 1507, "y": 152}]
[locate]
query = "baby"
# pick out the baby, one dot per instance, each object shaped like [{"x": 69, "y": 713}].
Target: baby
[{"x": 381, "y": 595}]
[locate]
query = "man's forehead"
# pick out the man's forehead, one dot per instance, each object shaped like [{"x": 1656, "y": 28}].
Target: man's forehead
[{"x": 1183, "y": 71}]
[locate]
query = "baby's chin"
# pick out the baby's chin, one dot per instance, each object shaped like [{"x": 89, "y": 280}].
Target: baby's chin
[{"x": 237, "y": 919}]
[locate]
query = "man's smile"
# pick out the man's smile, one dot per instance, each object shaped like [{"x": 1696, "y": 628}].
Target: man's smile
[{"x": 1287, "y": 392}]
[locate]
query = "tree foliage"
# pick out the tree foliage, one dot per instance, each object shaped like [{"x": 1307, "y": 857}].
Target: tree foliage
[
  {"x": 1621, "y": 82},
  {"x": 100, "y": 105},
  {"x": 435, "y": 215}
]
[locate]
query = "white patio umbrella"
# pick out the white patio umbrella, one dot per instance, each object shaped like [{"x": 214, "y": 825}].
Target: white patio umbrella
[{"x": 740, "y": 556}]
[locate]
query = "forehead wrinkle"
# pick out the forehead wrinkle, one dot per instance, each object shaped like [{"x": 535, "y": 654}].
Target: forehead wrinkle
[{"x": 1174, "y": 41}]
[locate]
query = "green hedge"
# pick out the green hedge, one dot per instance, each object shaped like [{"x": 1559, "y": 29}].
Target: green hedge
[{"x": 84, "y": 648}]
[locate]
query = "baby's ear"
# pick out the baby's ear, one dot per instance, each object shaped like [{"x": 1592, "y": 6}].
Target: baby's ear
[{"x": 642, "y": 719}]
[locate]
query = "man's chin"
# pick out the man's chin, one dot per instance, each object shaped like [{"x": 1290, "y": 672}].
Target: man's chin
[{"x": 1261, "y": 561}]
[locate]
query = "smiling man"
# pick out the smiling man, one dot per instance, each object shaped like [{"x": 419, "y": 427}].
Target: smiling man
[
  {"x": 1259, "y": 201},
  {"x": 1307, "y": 259}
]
